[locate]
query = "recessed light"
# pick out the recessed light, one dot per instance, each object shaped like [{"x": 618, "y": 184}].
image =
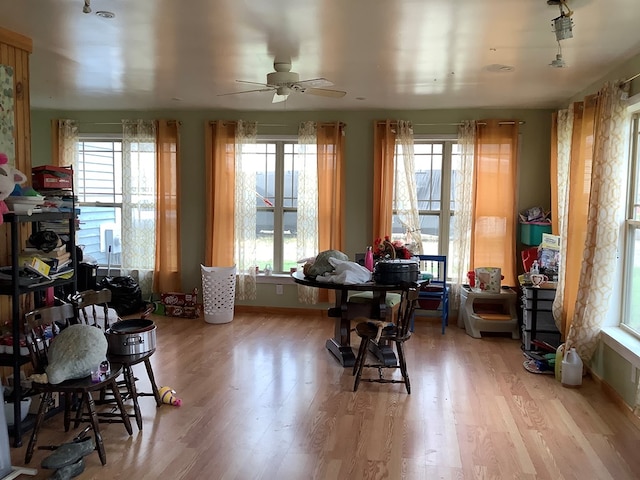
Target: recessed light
[
  {"x": 361, "y": 98},
  {"x": 105, "y": 14}
]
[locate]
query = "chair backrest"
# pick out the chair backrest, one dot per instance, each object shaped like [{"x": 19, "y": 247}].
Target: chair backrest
[
  {"x": 92, "y": 308},
  {"x": 436, "y": 265},
  {"x": 41, "y": 326},
  {"x": 406, "y": 310}
]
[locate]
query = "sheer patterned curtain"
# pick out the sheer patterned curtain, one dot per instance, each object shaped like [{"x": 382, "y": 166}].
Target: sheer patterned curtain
[
  {"x": 64, "y": 142},
  {"x": 138, "y": 200},
  {"x": 460, "y": 258},
  {"x": 560, "y": 163},
  {"x": 605, "y": 214},
  {"x": 245, "y": 213},
  {"x": 167, "y": 266},
  {"x": 307, "y": 219},
  {"x": 405, "y": 200}
]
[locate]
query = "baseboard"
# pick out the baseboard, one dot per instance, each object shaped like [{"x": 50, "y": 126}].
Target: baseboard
[
  {"x": 280, "y": 310},
  {"x": 615, "y": 397}
]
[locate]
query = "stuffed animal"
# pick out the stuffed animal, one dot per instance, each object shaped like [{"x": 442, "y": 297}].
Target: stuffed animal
[
  {"x": 9, "y": 177},
  {"x": 168, "y": 396}
]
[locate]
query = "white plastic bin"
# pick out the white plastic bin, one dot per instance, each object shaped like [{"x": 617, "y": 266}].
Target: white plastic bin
[{"x": 218, "y": 293}]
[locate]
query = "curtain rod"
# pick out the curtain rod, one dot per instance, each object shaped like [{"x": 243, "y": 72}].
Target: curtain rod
[
  {"x": 119, "y": 123},
  {"x": 211, "y": 122},
  {"x": 630, "y": 78},
  {"x": 457, "y": 124}
]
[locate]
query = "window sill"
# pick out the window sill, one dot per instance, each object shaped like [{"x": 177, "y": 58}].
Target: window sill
[
  {"x": 623, "y": 343},
  {"x": 275, "y": 278}
]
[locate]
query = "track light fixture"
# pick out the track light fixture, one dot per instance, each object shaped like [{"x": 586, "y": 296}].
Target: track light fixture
[
  {"x": 87, "y": 6},
  {"x": 562, "y": 25}
]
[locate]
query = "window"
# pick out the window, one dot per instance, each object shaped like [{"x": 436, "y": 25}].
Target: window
[
  {"x": 116, "y": 201},
  {"x": 436, "y": 164},
  {"x": 631, "y": 296},
  {"x": 277, "y": 168},
  {"x": 98, "y": 181}
]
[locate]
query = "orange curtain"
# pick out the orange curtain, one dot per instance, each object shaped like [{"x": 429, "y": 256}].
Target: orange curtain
[
  {"x": 384, "y": 145},
  {"x": 331, "y": 188},
  {"x": 166, "y": 274},
  {"x": 579, "y": 190},
  {"x": 494, "y": 217},
  {"x": 219, "y": 192}
]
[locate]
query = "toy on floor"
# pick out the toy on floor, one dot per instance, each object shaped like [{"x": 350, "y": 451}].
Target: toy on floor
[
  {"x": 168, "y": 396},
  {"x": 9, "y": 177}
]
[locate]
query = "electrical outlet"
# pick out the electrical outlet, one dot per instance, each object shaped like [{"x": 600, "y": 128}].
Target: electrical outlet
[{"x": 279, "y": 290}]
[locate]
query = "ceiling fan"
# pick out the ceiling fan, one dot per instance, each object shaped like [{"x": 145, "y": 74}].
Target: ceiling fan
[{"x": 283, "y": 82}]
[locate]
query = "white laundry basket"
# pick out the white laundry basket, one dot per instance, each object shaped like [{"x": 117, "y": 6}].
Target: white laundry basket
[{"x": 218, "y": 293}]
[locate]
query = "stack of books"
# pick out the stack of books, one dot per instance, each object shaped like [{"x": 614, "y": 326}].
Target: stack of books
[{"x": 54, "y": 264}]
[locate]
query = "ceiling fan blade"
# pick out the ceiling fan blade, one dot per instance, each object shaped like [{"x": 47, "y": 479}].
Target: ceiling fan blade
[
  {"x": 245, "y": 91},
  {"x": 279, "y": 98},
  {"x": 314, "y": 83},
  {"x": 323, "y": 92},
  {"x": 254, "y": 83}
]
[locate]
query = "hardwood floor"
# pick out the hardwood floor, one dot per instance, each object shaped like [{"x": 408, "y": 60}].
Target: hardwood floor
[{"x": 263, "y": 399}]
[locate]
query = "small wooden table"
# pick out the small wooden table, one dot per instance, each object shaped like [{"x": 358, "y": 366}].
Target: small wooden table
[{"x": 340, "y": 344}]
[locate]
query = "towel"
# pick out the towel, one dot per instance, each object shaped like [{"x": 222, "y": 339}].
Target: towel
[{"x": 345, "y": 272}]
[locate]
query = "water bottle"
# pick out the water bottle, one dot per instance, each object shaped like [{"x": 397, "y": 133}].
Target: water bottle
[
  {"x": 572, "y": 369},
  {"x": 368, "y": 259}
]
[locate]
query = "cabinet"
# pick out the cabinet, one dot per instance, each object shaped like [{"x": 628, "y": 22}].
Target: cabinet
[
  {"x": 16, "y": 287},
  {"x": 537, "y": 316}
]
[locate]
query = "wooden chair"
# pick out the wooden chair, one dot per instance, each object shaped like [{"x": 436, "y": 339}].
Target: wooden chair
[
  {"x": 382, "y": 331},
  {"x": 435, "y": 295},
  {"x": 41, "y": 328},
  {"x": 92, "y": 308},
  {"x": 89, "y": 302}
]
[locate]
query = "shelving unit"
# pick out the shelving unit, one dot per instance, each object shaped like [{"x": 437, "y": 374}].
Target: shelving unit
[
  {"x": 15, "y": 289},
  {"x": 537, "y": 316}
]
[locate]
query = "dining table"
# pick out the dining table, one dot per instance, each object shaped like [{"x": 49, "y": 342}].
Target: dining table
[{"x": 344, "y": 312}]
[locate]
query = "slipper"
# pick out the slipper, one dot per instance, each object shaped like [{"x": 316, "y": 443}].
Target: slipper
[
  {"x": 69, "y": 453},
  {"x": 70, "y": 471}
]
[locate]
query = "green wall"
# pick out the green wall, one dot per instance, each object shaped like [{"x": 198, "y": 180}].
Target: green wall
[{"x": 534, "y": 184}]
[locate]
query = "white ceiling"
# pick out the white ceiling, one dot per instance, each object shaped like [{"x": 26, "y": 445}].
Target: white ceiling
[{"x": 386, "y": 54}]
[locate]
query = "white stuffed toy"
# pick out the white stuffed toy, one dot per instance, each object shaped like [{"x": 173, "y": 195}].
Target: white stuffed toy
[{"x": 9, "y": 176}]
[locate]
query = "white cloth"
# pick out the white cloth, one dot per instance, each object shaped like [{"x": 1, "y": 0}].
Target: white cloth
[{"x": 345, "y": 272}]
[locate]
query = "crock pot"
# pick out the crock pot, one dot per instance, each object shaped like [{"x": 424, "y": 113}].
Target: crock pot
[
  {"x": 131, "y": 337},
  {"x": 397, "y": 271}
]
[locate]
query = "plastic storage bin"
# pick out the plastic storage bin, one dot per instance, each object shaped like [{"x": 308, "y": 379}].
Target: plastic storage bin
[
  {"x": 218, "y": 293},
  {"x": 531, "y": 233}
]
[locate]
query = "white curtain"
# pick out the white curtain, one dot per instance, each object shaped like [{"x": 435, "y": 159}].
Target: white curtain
[
  {"x": 460, "y": 256},
  {"x": 405, "y": 199},
  {"x": 245, "y": 220},
  {"x": 138, "y": 200},
  {"x": 307, "y": 215},
  {"x": 565, "y": 133},
  {"x": 68, "y": 143},
  {"x": 606, "y": 214}
]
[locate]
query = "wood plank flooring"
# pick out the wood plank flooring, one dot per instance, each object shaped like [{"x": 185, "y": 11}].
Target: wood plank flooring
[{"x": 263, "y": 399}]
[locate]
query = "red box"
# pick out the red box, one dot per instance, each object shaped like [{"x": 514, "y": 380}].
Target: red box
[
  {"x": 177, "y": 299},
  {"x": 194, "y": 311},
  {"x": 50, "y": 176}
]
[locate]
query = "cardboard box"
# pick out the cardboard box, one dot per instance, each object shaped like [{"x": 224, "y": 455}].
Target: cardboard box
[
  {"x": 194, "y": 311},
  {"x": 51, "y": 177},
  {"x": 178, "y": 299}
]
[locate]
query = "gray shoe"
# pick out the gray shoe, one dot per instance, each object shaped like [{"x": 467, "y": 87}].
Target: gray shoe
[
  {"x": 70, "y": 471},
  {"x": 69, "y": 453}
]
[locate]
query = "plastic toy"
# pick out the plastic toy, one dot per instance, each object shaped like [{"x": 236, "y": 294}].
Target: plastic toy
[
  {"x": 9, "y": 177},
  {"x": 168, "y": 396}
]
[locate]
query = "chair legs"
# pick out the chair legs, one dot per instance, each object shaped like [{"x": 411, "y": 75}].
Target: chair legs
[
  {"x": 360, "y": 364},
  {"x": 152, "y": 379},
  {"x": 403, "y": 366}
]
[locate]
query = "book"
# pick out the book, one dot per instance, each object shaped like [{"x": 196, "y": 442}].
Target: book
[
  {"x": 58, "y": 252},
  {"x": 37, "y": 266}
]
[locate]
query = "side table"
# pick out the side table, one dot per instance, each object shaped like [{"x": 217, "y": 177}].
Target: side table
[{"x": 488, "y": 312}]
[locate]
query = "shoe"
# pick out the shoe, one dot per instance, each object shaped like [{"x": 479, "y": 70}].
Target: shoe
[
  {"x": 69, "y": 453},
  {"x": 70, "y": 471}
]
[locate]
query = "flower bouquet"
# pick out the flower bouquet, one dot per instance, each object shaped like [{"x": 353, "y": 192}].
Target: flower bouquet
[{"x": 387, "y": 249}]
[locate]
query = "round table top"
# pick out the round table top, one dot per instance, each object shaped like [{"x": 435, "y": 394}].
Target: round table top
[{"x": 301, "y": 279}]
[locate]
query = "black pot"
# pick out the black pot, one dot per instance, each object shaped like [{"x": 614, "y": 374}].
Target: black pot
[{"x": 395, "y": 272}]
